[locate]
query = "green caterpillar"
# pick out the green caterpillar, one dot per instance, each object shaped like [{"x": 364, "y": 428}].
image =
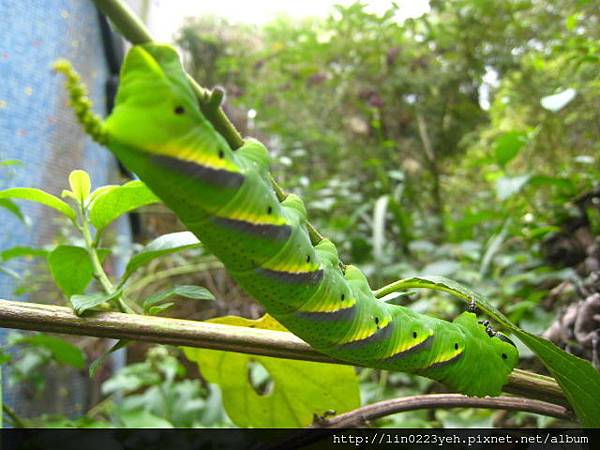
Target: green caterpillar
[{"x": 225, "y": 197}]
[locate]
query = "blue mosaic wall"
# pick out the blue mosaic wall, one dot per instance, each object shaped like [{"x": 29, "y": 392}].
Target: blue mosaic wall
[{"x": 37, "y": 127}]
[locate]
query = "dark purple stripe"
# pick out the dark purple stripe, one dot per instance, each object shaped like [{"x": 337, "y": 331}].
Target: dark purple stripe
[
  {"x": 381, "y": 334},
  {"x": 279, "y": 232},
  {"x": 340, "y": 314},
  {"x": 292, "y": 277},
  {"x": 444, "y": 363},
  {"x": 505, "y": 339},
  {"x": 218, "y": 177},
  {"x": 421, "y": 346}
]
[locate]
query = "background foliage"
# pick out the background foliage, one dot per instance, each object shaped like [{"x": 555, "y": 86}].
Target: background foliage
[{"x": 463, "y": 143}]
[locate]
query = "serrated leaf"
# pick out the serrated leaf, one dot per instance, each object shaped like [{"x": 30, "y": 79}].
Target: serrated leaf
[
  {"x": 80, "y": 183},
  {"x": 39, "y": 196},
  {"x": 161, "y": 246},
  {"x": 300, "y": 389},
  {"x": 71, "y": 268},
  {"x": 578, "y": 379},
  {"x": 84, "y": 302},
  {"x": 111, "y": 202},
  {"x": 195, "y": 292},
  {"x": 62, "y": 351},
  {"x": 12, "y": 207}
]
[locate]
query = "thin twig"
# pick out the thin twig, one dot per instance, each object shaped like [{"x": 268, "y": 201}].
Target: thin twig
[
  {"x": 15, "y": 419},
  {"x": 58, "y": 319},
  {"x": 361, "y": 416}
]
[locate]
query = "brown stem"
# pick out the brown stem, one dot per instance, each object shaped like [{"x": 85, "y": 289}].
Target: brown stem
[
  {"x": 361, "y": 416},
  {"x": 58, "y": 319}
]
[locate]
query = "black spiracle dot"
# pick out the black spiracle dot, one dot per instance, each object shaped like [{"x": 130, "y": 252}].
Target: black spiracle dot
[
  {"x": 221, "y": 154},
  {"x": 343, "y": 297},
  {"x": 269, "y": 210},
  {"x": 504, "y": 356},
  {"x": 414, "y": 334},
  {"x": 456, "y": 346},
  {"x": 179, "y": 110}
]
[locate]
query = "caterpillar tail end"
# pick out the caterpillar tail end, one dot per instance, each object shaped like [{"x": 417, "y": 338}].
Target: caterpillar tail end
[{"x": 80, "y": 102}]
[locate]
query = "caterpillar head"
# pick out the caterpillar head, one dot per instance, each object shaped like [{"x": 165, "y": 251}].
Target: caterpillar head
[
  {"x": 155, "y": 102},
  {"x": 506, "y": 349}
]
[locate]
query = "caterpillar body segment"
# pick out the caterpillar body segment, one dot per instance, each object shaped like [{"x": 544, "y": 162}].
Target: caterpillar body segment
[{"x": 226, "y": 199}]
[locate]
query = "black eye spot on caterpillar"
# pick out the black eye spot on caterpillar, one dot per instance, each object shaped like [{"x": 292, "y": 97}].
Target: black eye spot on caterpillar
[
  {"x": 307, "y": 258},
  {"x": 179, "y": 110},
  {"x": 504, "y": 356},
  {"x": 343, "y": 297},
  {"x": 377, "y": 322},
  {"x": 269, "y": 210},
  {"x": 414, "y": 334},
  {"x": 221, "y": 154},
  {"x": 456, "y": 346}
]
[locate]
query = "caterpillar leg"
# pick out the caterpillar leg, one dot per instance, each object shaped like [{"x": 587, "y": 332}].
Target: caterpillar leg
[
  {"x": 488, "y": 328},
  {"x": 472, "y": 308}
]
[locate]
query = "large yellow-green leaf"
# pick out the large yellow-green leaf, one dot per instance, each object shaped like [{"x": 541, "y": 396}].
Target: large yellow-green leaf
[{"x": 299, "y": 390}]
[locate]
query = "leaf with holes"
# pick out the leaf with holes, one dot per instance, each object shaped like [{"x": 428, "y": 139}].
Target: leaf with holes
[{"x": 292, "y": 392}]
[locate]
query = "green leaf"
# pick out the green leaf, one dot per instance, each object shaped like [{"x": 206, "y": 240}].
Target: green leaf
[
  {"x": 161, "y": 246},
  {"x": 578, "y": 379},
  {"x": 195, "y": 292},
  {"x": 506, "y": 187},
  {"x": 83, "y": 302},
  {"x": 62, "y": 351},
  {"x": 10, "y": 162},
  {"x": 71, "y": 268},
  {"x": 300, "y": 389},
  {"x": 154, "y": 310},
  {"x": 79, "y": 180},
  {"x": 140, "y": 418},
  {"x": 12, "y": 207},
  {"x": 97, "y": 363},
  {"x": 39, "y": 196},
  {"x": 22, "y": 252},
  {"x": 110, "y": 203},
  {"x": 508, "y": 145}
]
